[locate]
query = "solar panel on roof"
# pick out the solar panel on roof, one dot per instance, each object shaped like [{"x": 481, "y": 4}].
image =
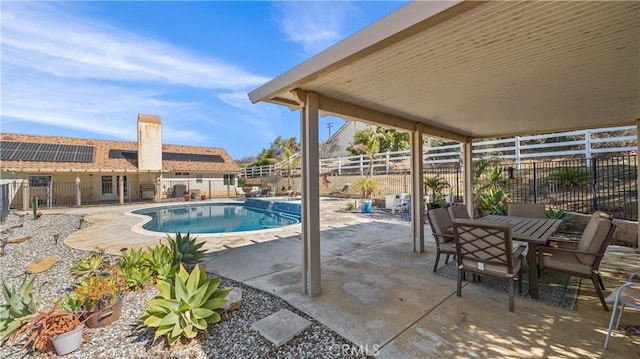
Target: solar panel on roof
[
  {"x": 45, "y": 152},
  {"x": 173, "y": 156},
  {"x": 169, "y": 156}
]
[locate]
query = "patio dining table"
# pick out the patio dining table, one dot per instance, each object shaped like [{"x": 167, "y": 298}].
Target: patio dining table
[{"x": 534, "y": 231}]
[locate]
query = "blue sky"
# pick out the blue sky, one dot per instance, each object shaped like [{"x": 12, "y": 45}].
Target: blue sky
[{"x": 87, "y": 69}]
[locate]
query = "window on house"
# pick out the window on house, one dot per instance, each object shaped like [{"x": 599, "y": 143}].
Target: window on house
[
  {"x": 39, "y": 181},
  {"x": 107, "y": 184},
  {"x": 228, "y": 180},
  {"x": 198, "y": 178}
]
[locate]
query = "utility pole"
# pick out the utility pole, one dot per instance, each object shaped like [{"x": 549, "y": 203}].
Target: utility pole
[{"x": 329, "y": 125}]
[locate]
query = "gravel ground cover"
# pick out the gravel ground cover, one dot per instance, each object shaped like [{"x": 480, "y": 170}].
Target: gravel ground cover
[{"x": 231, "y": 338}]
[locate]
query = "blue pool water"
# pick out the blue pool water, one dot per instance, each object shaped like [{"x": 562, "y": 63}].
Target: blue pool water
[{"x": 213, "y": 218}]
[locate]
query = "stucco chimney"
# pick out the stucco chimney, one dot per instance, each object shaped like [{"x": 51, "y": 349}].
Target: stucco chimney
[{"x": 149, "y": 143}]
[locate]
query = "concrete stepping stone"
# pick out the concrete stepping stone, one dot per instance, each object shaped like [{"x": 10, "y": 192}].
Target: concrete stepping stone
[
  {"x": 41, "y": 264},
  {"x": 281, "y": 326}
]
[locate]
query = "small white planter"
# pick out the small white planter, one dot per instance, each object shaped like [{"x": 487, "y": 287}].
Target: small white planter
[{"x": 67, "y": 342}]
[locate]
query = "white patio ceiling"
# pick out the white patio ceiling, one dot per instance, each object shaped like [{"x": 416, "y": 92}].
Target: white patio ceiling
[{"x": 479, "y": 69}]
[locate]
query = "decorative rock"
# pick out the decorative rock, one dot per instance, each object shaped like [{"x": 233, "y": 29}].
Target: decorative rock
[
  {"x": 234, "y": 300},
  {"x": 41, "y": 264}
]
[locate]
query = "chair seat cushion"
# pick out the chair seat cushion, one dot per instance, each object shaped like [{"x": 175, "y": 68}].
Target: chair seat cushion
[
  {"x": 495, "y": 269},
  {"x": 564, "y": 261},
  {"x": 448, "y": 247}
]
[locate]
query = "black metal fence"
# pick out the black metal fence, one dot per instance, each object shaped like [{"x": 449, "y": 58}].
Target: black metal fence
[{"x": 580, "y": 185}]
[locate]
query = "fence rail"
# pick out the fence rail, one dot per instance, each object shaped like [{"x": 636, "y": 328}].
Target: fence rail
[{"x": 613, "y": 140}]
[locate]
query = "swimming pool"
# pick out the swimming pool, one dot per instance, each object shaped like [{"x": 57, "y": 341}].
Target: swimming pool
[{"x": 213, "y": 218}]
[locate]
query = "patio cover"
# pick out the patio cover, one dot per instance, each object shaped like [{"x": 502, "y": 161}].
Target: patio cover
[{"x": 464, "y": 70}]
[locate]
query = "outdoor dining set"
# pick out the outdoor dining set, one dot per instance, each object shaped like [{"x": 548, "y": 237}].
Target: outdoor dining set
[{"x": 497, "y": 245}]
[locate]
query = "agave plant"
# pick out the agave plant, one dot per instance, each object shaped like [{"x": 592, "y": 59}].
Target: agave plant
[
  {"x": 185, "y": 250},
  {"x": 185, "y": 307},
  {"x": 20, "y": 304},
  {"x": 136, "y": 277},
  {"x": 160, "y": 260},
  {"x": 92, "y": 265},
  {"x": 133, "y": 258}
]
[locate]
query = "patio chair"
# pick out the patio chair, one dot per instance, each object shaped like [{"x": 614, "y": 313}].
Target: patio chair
[
  {"x": 486, "y": 248},
  {"x": 584, "y": 260},
  {"x": 458, "y": 212},
  {"x": 255, "y": 191},
  {"x": 441, "y": 228},
  {"x": 627, "y": 294},
  {"x": 528, "y": 210},
  {"x": 240, "y": 192},
  {"x": 344, "y": 190}
]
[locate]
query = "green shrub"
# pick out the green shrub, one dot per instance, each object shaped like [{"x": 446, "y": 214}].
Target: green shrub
[
  {"x": 349, "y": 206},
  {"x": 19, "y": 304},
  {"x": 492, "y": 201},
  {"x": 570, "y": 176},
  {"x": 185, "y": 250},
  {"x": 185, "y": 307},
  {"x": 559, "y": 214}
]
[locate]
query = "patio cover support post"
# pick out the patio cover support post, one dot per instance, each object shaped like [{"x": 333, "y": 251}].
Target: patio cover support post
[
  {"x": 310, "y": 195},
  {"x": 121, "y": 189},
  {"x": 638, "y": 183},
  {"x": 78, "y": 191},
  {"x": 417, "y": 206},
  {"x": 468, "y": 176},
  {"x": 26, "y": 199}
]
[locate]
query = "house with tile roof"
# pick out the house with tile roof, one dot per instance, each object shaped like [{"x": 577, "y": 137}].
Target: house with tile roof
[{"x": 75, "y": 171}]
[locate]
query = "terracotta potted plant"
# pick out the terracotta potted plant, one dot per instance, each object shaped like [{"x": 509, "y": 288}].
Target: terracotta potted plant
[
  {"x": 55, "y": 327},
  {"x": 187, "y": 197},
  {"x": 203, "y": 196},
  {"x": 98, "y": 297}
]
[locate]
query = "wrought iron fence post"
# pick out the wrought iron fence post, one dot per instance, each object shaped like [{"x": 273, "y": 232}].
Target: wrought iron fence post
[
  {"x": 594, "y": 183},
  {"x": 535, "y": 184}
]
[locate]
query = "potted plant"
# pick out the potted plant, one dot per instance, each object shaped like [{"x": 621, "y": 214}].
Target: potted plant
[
  {"x": 55, "y": 327},
  {"x": 98, "y": 297},
  {"x": 203, "y": 196},
  {"x": 434, "y": 187},
  {"x": 193, "y": 195},
  {"x": 368, "y": 186},
  {"x": 187, "y": 197}
]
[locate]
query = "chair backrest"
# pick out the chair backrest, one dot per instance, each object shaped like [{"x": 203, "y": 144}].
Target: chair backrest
[
  {"x": 458, "y": 212},
  {"x": 485, "y": 245},
  {"x": 595, "y": 239},
  {"x": 441, "y": 225},
  {"x": 528, "y": 210}
]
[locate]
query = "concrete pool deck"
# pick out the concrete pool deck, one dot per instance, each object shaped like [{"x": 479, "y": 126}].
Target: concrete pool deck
[
  {"x": 383, "y": 297},
  {"x": 115, "y": 227}
]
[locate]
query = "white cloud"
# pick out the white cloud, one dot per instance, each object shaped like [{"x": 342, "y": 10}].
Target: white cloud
[
  {"x": 44, "y": 38},
  {"x": 314, "y": 25}
]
